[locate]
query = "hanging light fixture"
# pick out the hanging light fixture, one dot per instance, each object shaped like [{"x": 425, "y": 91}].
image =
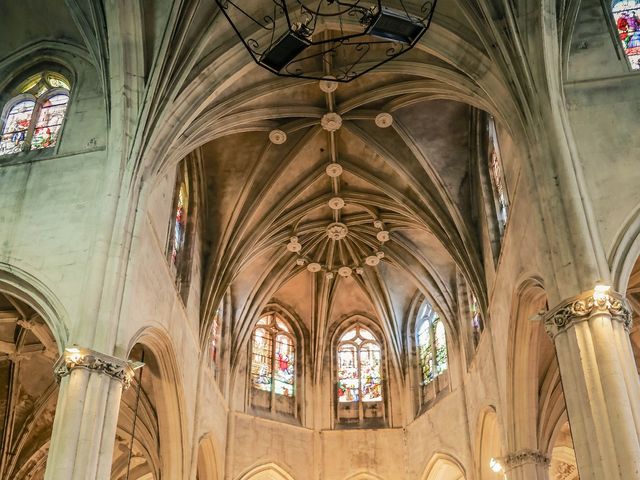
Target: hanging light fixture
[{"x": 318, "y": 39}]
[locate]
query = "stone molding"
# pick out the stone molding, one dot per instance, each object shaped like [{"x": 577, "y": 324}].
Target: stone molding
[
  {"x": 585, "y": 306},
  {"x": 525, "y": 456},
  {"x": 76, "y": 357}
]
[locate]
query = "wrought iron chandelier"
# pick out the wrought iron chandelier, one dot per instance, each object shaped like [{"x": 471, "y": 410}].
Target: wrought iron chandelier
[{"x": 321, "y": 39}]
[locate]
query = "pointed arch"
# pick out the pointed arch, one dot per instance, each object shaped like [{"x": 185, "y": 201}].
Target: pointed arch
[
  {"x": 169, "y": 399},
  {"x": 488, "y": 443},
  {"x": 29, "y": 289},
  {"x": 269, "y": 471},
  {"x": 443, "y": 466},
  {"x": 207, "y": 467}
]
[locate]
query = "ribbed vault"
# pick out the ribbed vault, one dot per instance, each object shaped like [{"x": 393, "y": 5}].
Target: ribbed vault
[{"x": 370, "y": 194}]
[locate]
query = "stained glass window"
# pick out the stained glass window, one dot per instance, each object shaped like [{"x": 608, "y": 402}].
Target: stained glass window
[
  {"x": 625, "y": 15},
  {"x": 35, "y": 118},
  {"x": 498, "y": 183},
  {"x": 214, "y": 339},
  {"x": 477, "y": 325},
  {"x": 16, "y": 127},
  {"x": 49, "y": 121},
  {"x": 180, "y": 219},
  {"x": 273, "y": 357},
  {"x": 262, "y": 359},
  {"x": 431, "y": 343},
  {"x": 359, "y": 367}
]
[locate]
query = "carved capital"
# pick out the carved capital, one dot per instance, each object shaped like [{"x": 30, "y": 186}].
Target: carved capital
[
  {"x": 525, "y": 456},
  {"x": 77, "y": 357},
  {"x": 585, "y": 306}
]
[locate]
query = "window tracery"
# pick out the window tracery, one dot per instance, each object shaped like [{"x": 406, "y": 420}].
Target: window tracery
[
  {"x": 627, "y": 20},
  {"x": 359, "y": 388},
  {"x": 33, "y": 118},
  {"x": 273, "y": 364}
]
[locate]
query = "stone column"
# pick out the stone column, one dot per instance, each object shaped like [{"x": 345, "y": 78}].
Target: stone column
[
  {"x": 526, "y": 465},
  {"x": 86, "y": 418},
  {"x": 600, "y": 383}
]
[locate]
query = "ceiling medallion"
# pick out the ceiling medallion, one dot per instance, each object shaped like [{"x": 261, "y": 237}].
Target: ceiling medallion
[
  {"x": 337, "y": 231},
  {"x": 372, "y": 260},
  {"x": 286, "y": 37},
  {"x": 331, "y": 121},
  {"x": 344, "y": 272},
  {"x": 277, "y": 137},
  {"x": 384, "y": 120},
  {"x": 328, "y": 84},
  {"x": 314, "y": 267},
  {"x": 334, "y": 170},
  {"x": 293, "y": 245},
  {"x": 336, "y": 203},
  {"x": 382, "y": 236}
]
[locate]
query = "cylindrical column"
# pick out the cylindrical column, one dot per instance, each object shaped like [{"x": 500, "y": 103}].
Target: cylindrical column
[
  {"x": 600, "y": 383},
  {"x": 86, "y": 418}
]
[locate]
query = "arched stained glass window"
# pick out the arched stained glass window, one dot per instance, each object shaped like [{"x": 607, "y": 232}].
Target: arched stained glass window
[
  {"x": 496, "y": 172},
  {"x": 477, "y": 325},
  {"x": 180, "y": 212},
  {"x": 16, "y": 127},
  {"x": 214, "y": 338},
  {"x": 33, "y": 118},
  {"x": 273, "y": 370},
  {"x": 432, "y": 344},
  {"x": 627, "y": 20},
  {"x": 359, "y": 383}
]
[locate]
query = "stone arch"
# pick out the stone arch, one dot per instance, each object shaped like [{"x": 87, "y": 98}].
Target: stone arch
[
  {"x": 168, "y": 398},
  {"x": 625, "y": 251},
  {"x": 443, "y": 467},
  {"x": 32, "y": 337},
  {"x": 488, "y": 444},
  {"x": 30, "y": 290},
  {"x": 363, "y": 476},
  {"x": 207, "y": 466},
  {"x": 528, "y": 342},
  {"x": 269, "y": 471}
]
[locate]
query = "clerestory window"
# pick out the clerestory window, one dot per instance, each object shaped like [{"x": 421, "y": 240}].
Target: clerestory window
[{"x": 33, "y": 118}]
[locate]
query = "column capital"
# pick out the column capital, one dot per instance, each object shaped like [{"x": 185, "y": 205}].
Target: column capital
[
  {"x": 79, "y": 357},
  {"x": 525, "y": 456},
  {"x": 584, "y": 306}
]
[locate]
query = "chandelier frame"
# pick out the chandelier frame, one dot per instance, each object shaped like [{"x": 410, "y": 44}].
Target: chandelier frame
[{"x": 287, "y": 41}]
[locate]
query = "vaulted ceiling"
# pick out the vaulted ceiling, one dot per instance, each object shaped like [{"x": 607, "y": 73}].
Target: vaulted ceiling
[{"x": 336, "y": 181}]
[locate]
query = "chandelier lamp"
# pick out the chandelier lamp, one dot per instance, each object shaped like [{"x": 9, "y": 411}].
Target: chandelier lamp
[{"x": 320, "y": 39}]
